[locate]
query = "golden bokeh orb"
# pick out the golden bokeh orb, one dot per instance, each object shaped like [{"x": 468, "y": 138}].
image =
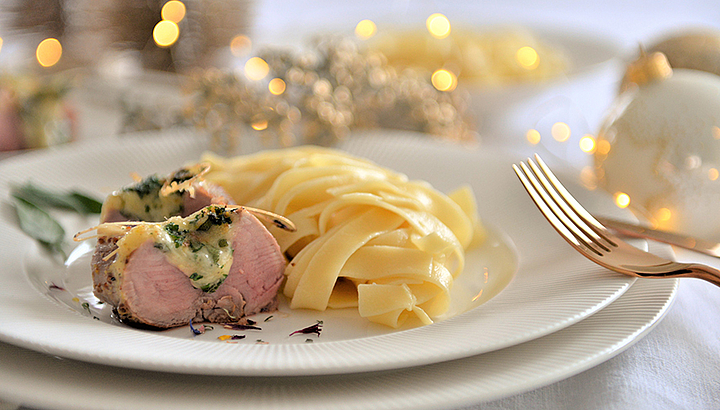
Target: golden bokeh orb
[
  {"x": 444, "y": 80},
  {"x": 277, "y": 86},
  {"x": 533, "y": 136},
  {"x": 166, "y": 33},
  {"x": 256, "y": 69},
  {"x": 48, "y": 52},
  {"x": 240, "y": 45},
  {"x": 587, "y": 144},
  {"x": 438, "y": 25},
  {"x": 560, "y": 131},
  {"x": 663, "y": 214},
  {"x": 622, "y": 200},
  {"x": 173, "y": 10},
  {"x": 365, "y": 29},
  {"x": 713, "y": 174},
  {"x": 527, "y": 57}
]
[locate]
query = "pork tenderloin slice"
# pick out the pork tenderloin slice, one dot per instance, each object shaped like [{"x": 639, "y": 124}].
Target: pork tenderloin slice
[
  {"x": 257, "y": 253},
  {"x": 147, "y": 286}
]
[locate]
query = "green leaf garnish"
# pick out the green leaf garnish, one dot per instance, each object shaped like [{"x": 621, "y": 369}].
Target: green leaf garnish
[
  {"x": 31, "y": 202},
  {"x": 88, "y": 204},
  {"x": 37, "y": 223},
  {"x": 44, "y": 198}
]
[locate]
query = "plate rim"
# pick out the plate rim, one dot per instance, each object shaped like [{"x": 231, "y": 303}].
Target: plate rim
[{"x": 556, "y": 362}]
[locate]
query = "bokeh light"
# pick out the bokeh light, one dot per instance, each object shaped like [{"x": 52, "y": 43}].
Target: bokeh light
[
  {"x": 48, "y": 52},
  {"x": 256, "y": 69},
  {"x": 588, "y": 177},
  {"x": 438, "y": 25},
  {"x": 713, "y": 174},
  {"x": 663, "y": 214},
  {"x": 173, "y": 10},
  {"x": 240, "y": 45},
  {"x": 622, "y": 200},
  {"x": 1, "y": 43},
  {"x": 527, "y": 57},
  {"x": 533, "y": 136},
  {"x": 444, "y": 80},
  {"x": 716, "y": 132},
  {"x": 260, "y": 125},
  {"x": 603, "y": 147},
  {"x": 365, "y": 29},
  {"x": 560, "y": 131},
  {"x": 587, "y": 144},
  {"x": 166, "y": 33},
  {"x": 693, "y": 162},
  {"x": 276, "y": 86}
]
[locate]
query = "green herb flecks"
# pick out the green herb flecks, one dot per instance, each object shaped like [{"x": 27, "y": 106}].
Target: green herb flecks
[
  {"x": 195, "y": 245},
  {"x": 182, "y": 175},
  {"x": 148, "y": 186},
  {"x": 216, "y": 215},
  {"x": 212, "y": 287},
  {"x": 214, "y": 254},
  {"x": 177, "y": 236}
]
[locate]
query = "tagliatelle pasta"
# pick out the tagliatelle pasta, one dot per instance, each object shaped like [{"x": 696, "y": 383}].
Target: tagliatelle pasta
[{"x": 366, "y": 237}]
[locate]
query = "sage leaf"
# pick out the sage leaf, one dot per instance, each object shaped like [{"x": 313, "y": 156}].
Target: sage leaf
[
  {"x": 86, "y": 204},
  {"x": 38, "y": 224},
  {"x": 44, "y": 198}
]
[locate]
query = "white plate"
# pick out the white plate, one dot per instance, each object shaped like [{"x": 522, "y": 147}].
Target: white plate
[
  {"x": 42, "y": 381},
  {"x": 553, "y": 288}
]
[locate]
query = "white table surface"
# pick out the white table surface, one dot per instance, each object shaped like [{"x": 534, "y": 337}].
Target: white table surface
[{"x": 677, "y": 365}]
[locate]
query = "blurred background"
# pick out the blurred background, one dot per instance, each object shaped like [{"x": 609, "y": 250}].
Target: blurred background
[
  {"x": 549, "y": 77},
  {"x": 78, "y": 69}
]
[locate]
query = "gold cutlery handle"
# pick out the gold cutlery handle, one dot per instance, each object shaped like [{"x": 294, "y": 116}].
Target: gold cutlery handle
[{"x": 704, "y": 272}]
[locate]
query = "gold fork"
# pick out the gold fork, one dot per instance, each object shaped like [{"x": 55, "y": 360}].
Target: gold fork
[{"x": 588, "y": 236}]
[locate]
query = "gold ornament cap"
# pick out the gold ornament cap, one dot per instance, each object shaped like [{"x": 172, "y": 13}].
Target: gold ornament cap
[
  {"x": 695, "y": 48},
  {"x": 646, "y": 69}
]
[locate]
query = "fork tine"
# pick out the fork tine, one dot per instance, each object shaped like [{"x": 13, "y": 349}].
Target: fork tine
[
  {"x": 580, "y": 211},
  {"x": 556, "y": 192},
  {"x": 549, "y": 215},
  {"x": 551, "y": 211},
  {"x": 558, "y": 207}
]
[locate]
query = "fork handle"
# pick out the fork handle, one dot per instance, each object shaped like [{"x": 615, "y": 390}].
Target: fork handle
[{"x": 704, "y": 272}]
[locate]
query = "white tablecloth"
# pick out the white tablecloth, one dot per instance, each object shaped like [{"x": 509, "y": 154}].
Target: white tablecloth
[{"x": 676, "y": 366}]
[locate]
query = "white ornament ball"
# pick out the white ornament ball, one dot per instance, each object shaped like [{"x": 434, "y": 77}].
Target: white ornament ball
[{"x": 661, "y": 146}]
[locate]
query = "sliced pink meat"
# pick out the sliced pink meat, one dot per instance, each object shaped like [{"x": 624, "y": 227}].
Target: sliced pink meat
[{"x": 151, "y": 291}]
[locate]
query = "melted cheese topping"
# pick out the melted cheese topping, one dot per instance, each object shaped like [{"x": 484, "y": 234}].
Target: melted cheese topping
[
  {"x": 143, "y": 201},
  {"x": 199, "y": 245}
]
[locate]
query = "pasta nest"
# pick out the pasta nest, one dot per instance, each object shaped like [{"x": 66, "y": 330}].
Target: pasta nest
[{"x": 367, "y": 236}]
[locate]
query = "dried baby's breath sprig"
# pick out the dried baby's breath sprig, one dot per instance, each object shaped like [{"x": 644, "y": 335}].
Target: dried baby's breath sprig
[{"x": 330, "y": 89}]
